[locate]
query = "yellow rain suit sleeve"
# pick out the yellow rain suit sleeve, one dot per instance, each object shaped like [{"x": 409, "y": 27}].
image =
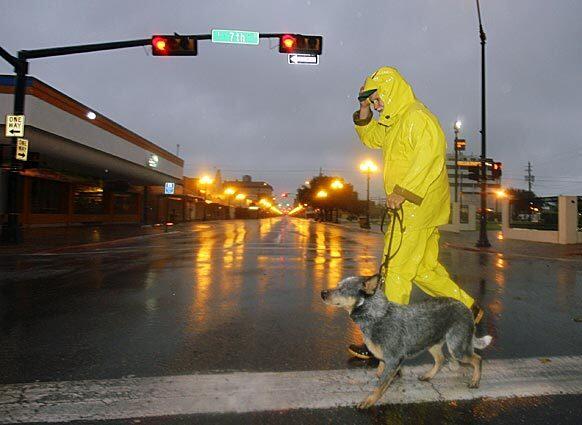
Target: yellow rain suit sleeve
[
  {"x": 369, "y": 131},
  {"x": 428, "y": 151}
]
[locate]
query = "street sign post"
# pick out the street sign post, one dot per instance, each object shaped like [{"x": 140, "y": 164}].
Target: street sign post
[
  {"x": 235, "y": 37},
  {"x": 169, "y": 188},
  {"x": 14, "y": 126},
  {"x": 302, "y": 59},
  {"x": 21, "y": 149}
]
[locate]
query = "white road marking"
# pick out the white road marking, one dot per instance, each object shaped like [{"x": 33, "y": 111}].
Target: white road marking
[{"x": 251, "y": 392}]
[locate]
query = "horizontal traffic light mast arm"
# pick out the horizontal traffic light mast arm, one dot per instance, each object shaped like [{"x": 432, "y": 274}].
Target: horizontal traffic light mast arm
[
  {"x": 83, "y": 48},
  {"x": 86, "y": 48}
]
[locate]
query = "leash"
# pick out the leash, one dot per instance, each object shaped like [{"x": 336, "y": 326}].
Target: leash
[{"x": 397, "y": 215}]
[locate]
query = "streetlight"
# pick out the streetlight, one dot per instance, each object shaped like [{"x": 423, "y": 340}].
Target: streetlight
[
  {"x": 483, "y": 241},
  {"x": 368, "y": 167},
  {"x": 457, "y": 128},
  {"x": 322, "y": 194},
  {"x": 337, "y": 184},
  {"x": 229, "y": 191},
  {"x": 205, "y": 181},
  {"x": 499, "y": 194},
  {"x": 240, "y": 197}
]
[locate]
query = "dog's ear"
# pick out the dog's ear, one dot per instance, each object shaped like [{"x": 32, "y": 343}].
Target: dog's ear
[{"x": 370, "y": 284}]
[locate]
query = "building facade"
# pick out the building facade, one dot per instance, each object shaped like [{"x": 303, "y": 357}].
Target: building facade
[
  {"x": 83, "y": 167},
  {"x": 253, "y": 190}
]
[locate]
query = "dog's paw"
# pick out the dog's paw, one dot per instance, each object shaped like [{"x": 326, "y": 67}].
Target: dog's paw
[
  {"x": 453, "y": 365},
  {"x": 367, "y": 402},
  {"x": 474, "y": 385},
  {"x": 424, "y": 378}
]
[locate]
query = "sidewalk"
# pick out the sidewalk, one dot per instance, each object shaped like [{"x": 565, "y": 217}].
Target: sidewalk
[
  {"x": 499, "y": 245},
  {"x": 47, "y": 239}
]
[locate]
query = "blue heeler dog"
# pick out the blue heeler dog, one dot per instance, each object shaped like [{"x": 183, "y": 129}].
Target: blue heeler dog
[{"x": 394, "y": 332}]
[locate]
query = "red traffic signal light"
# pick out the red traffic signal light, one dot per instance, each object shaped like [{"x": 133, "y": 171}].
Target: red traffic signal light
[
  {"x": 297, "y": 43},
  {"x": 174, "y": 45}
]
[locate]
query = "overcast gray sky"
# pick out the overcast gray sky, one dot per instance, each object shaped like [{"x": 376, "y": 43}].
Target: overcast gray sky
[{"x": 244, "y": 110}]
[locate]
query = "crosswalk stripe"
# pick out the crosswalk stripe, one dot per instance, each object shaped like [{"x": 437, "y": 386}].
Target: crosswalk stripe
[{"x": 251, "y": 392}]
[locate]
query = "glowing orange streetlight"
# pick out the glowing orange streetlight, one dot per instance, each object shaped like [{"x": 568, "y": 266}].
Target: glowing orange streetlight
[
  {"x": 322, "y": 194},
  {"x": 368, "y": 167},
  {"x": 337, "y": 184}
]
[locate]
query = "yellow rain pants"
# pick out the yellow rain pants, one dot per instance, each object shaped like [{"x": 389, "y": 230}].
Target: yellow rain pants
[
  {"x": 414, "y": 152},
  {"x": 417, "y": 260}
]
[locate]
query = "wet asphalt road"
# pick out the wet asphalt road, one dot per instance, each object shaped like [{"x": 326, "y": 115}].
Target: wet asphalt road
[{"x": 244, "y": 296}]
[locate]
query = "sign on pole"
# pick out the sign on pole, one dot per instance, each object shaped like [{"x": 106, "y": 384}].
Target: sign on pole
[
  {"x": 235, "y": 37},
  {"x": 302, "y": 59},
  {"x": 169, "y": 188},
  {"x": 21, "y": 149},
  {"x": 14, "y": 126}
]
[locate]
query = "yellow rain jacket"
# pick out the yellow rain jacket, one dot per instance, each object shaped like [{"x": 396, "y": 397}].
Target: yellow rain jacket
[{"x": 414, "y": 149}]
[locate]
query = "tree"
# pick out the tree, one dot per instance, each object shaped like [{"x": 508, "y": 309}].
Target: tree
[{"x": 337, "y": 199}]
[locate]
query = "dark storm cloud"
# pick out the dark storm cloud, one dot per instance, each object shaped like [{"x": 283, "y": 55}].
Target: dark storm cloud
[{"x": 244, "y": 108}]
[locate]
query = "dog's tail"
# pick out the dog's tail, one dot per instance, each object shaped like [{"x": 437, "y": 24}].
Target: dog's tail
[{"x": 481, "y": 343}]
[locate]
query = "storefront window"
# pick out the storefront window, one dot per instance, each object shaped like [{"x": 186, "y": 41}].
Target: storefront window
[
  {"x": 125, "y": 203},
  {"x": 88, "y": 200},
  {"x": 48, "y": 197}
]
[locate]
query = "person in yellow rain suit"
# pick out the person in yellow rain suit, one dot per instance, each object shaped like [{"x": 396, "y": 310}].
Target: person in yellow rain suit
[{"x": 415, "y": 178}]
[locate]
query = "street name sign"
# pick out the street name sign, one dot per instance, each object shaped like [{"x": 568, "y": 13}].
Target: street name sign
[
  {"x": 21, "y": 149},
  {"x": 169, "y": 188},
  {"x": 14, "y": 126},
  {"x": 235, "y": 37},
  {"x": 468, "y": 163},
  {"x": 302, "y": 59}
]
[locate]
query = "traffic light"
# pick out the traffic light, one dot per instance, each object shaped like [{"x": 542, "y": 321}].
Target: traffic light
[
  {"x": 297, "y": 43},
  {"x": 460, "y": 144},
  {"x": 174, "y": 45},
  {"x": 496, "y": 170},
  {"x": 474, "y": 172}
]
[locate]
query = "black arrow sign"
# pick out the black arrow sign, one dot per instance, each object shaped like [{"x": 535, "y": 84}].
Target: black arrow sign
[{"x": 13, "y": 131}]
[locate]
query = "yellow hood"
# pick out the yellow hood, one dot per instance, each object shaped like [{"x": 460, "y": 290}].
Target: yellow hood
[{"x": 394, "y": 91}]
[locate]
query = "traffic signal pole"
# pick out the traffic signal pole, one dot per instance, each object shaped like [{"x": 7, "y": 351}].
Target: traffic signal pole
[{"x": 483, "y": 241}]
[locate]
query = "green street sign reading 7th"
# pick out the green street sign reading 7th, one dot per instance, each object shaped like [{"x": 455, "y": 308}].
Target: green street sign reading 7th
[{"x": 235, "y": 37}]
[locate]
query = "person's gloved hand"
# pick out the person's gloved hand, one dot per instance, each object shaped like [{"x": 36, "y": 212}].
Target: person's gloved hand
[{"x": 394, "y": 201}]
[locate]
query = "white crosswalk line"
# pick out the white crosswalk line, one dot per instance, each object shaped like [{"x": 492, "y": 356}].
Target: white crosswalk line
[{"x": 250, "y": 392}]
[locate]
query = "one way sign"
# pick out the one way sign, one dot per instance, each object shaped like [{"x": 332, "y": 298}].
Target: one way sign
[
  {"x": 22, "y": 149},
  {"x": 302, "y": 59},
  {"x": 14, "y": 126}
]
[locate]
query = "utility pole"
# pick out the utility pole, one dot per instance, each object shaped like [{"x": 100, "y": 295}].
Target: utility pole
[
  {"x": 483, "y": 241},
  {"x": 530, "y": 178}
]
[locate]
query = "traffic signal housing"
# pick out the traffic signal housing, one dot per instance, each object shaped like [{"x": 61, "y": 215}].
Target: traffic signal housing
[
  {"x": 474, "y": 172},
  {"x": 460, "y": 144},
  {"x": 298, "y": 43},
  {"x": 496, "y": 170},
  {"x": 174, "y": 45}
]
